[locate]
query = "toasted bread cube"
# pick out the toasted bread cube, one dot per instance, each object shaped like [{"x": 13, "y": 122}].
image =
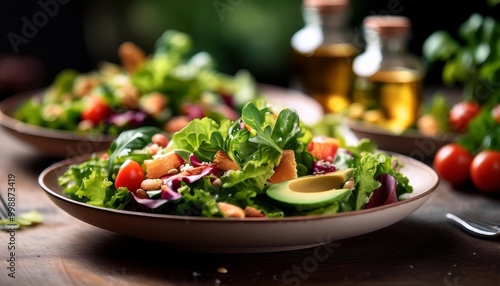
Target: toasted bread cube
[
  {"x": 131, "y": 56},
  {"x": 286, "y": 169},
  {"x": 223, "y": 162},
  {"x": 161, "y": 165}
]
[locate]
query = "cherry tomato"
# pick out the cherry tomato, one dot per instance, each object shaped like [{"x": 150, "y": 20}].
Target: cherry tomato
[
  {"x": 130, "y": 176},
  {"x": 485, "y": 171},
  {"x": 96, "y": 110},
  {"x": 452, "y": 163},
  {"x": 323, "y": 148},
  {"x": 495, "y": 112},
  {"x": 461, "y": 114}
]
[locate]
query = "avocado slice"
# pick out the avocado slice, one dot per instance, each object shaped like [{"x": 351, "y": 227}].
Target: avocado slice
[{"x": 311, "y": 192}]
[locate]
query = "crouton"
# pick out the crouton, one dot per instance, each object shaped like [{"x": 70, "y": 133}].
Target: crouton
[
  {"x": 223, "y": 162},
  {"x": 161, "y": 165},
  {"x": 131, "y": 56},
  {"x": 286, "y": 169}
]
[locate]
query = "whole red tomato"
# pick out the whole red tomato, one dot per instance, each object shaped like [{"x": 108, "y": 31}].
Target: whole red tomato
[
  {"x": 461, "y": 114},
  {"x": 130, "y": 176},
  {"x": 495, "y": 112},
  {"x": 485, "y": 171},
  {"x": 452, "y": 163},
  {"x": 96, "y": 110}
]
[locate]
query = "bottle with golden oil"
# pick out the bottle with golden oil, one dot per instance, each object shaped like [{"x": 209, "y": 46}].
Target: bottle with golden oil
[
  {"x": 322, "y": 54},
  {"x": 388, "y": 83}
]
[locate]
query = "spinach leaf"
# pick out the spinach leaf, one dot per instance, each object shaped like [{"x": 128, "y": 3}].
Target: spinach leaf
[{"x": 127, "y": 141}]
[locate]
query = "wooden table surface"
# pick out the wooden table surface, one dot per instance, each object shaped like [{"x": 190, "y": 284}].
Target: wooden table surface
[{"x": 422, "y": 249}]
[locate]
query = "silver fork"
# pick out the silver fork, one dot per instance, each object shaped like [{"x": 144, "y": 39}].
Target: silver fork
[{"x": 476, "y": 226}]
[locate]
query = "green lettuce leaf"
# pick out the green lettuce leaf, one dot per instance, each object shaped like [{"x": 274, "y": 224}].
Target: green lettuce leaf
[
  {"x": 202, "y": 137},
  {"x": 95, "y": 189},
  {"x": 368, "y": 167}
]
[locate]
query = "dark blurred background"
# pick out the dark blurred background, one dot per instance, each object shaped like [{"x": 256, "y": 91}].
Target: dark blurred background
[{"x": 40, "y": 38}]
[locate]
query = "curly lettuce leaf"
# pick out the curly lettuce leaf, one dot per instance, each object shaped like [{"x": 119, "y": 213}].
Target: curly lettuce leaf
[
  {"x": 88, "y": 182},
  {"x": 368, "y": 167},
  {"x": 95, "y": 189},
  {"x": 197, "y": 200},
  {"x": 202, "y": 137}
]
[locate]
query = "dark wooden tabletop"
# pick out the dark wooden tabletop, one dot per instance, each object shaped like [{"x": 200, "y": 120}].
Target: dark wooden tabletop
[{"x": 422, "y": 249}]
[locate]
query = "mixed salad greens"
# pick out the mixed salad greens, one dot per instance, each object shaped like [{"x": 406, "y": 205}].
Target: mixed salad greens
[
  {"x": 165, "y": 89},
  {"x": 226, "y": 168}
]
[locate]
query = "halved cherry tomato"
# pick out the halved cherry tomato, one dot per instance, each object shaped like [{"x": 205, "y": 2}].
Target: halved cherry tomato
[
  {"x": 461, "y": 114},
  {"x": 485, "y": 171},
  {"x": 96, "y": 110},
  {"x": 323, "y": 148},
  {"x": 452, "y": 163},
  {"x": 130, "y": 176}
]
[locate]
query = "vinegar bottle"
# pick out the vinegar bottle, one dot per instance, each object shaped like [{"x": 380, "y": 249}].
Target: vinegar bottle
[
  {"x": 322, "y": 54},
  {"x": 388, "y": 78}
]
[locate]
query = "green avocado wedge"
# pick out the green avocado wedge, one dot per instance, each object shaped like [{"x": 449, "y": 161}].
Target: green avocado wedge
[{"x": 312, "y": 192}]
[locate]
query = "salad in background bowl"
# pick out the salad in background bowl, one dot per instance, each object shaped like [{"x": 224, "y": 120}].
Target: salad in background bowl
[
  {"x": 83, "y": 113},
  {"x": 165, "y": 89}
]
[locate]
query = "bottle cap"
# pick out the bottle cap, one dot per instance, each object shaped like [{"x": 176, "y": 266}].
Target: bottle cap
[
  {"x": 327, "y": 6},
  {"x": 387, "y": 25}
]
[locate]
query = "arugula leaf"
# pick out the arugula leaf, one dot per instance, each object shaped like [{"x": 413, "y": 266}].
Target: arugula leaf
[
  {"x": 255, "y": 118},
  {"x": 287, "y": 129}
]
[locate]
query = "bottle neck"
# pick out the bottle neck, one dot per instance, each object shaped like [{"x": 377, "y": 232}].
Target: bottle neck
[
  {"x": 327, "y": 20},
  {"x": 386, "y": 43}
]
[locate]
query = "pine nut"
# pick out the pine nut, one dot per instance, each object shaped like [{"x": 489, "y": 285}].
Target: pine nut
[
  {"x": 142, "y": 194},
  {"x": 217, "y": 183},
  {"x": 151, "y": 184},
  {"x": 172, "y": 171}
]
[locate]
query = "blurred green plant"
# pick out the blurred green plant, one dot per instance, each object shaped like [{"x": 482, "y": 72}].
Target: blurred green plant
[
  {"x": 473, "y": 60},
  {"x": 493, "y": 2}
]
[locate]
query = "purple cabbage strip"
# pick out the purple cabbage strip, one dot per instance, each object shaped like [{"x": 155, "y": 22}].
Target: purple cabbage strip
[
  {"x": 322, "y": 167},
  {"x": 195, "y": 162},
  {"x": 149, "y": 203},
  {"x": 385, "y": 194},
  {"x": 171, "y": 184},
  {"x": 128, "y": 117},
  {"x": 168, "y": 194},
  {"x": 193, "y": 111}
]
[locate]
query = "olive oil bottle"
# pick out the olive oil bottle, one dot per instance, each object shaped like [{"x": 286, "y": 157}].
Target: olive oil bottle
[
  {"x": 322, "y": 54},
  {"x": 388, "y": 78}
]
